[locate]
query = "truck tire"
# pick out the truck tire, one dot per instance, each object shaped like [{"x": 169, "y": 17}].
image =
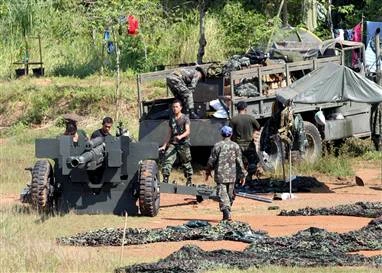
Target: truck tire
[
  {"x": 42, "y": 186},
  {"x": 269, "y": 151},
  {"x": 313, "y": 149},
  {"x": 149, "y": 194}
]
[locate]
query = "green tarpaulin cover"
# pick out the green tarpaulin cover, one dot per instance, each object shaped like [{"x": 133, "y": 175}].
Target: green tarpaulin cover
[{"x": 332, "y": 83}]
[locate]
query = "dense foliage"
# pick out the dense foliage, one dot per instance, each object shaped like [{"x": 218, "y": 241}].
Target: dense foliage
[{"x": 72, "y": 30}]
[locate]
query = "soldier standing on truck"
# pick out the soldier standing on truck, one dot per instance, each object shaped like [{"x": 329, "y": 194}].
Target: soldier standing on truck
[
  {"x": 376, "y": 125},
  {"x": 107, "y": 123},
  {"x": 177, "y": 143},
  {"x": 228, "y": 168},
  {"x": 182, "y": 83},
  {"x": 244, "y": 128}
]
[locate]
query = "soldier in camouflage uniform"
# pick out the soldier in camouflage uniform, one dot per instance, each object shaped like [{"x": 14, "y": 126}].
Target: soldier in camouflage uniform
[
  {"x": 376, "y": 125},
  {"x": 177, "y": 144},
  {"x": 228, "y": 168},
  {"x": 182, "y": 83}
]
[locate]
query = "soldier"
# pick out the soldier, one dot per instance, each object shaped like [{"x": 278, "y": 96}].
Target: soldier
[
  {"x": 71, "y": 127},
  {"x": 376, "y": 125},
  {"x": 182, "y": 83},
  {"x": 107, "y": 123},
  {"x": 177, "y": 143},
  {"x": 245, "y": 128},
  {"x": 226, "y": 160}
]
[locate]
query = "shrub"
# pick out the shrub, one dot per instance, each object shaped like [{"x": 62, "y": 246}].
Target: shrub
[{"x": 355, "y": 147}]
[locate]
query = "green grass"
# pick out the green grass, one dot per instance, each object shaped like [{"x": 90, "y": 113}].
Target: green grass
[
  {"x": 337, "y": 166},
  {"x": 28, "y": 243}
]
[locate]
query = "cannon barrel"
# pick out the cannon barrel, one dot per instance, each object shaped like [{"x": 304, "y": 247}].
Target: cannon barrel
[
  {"x": 94, "y": 154},
  {"x": 94, "y": 143}
]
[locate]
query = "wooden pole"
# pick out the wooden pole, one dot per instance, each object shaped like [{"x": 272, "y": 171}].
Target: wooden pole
[
  {"x": 123, "y": 239},
  {"x": 118, "y": 91},
  {"x": 285, "y": 14},
  {"x": 202, "y": 36}
]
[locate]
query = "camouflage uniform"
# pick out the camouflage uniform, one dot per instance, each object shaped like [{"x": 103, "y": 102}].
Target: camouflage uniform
[
  {"x": 178, "y": 148},
  {"x": 226, "y": 161},
  {"x": 376, "y": 125},
  {"x": 182, "y": 83}
]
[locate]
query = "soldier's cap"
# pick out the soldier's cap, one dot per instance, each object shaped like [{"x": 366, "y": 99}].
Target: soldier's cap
[
  {"x": 226, "y": 131},
  {"x": 201, "y": 70},
  {"x": 241, "y": 105},
  {"x": 72, "y": 117}
]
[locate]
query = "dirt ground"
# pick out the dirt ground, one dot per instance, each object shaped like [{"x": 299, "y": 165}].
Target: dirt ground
[{"x": 178, "y": 209}]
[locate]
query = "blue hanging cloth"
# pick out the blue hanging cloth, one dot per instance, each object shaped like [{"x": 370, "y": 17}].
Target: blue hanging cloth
[
  {"x": 106, "y": 35},
  {"x": 110, "y": 47}
]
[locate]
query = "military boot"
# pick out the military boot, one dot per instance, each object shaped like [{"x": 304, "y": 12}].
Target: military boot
[
  {"x": 193, "y": 114},
  {"x": 227, "y": 215},
  {"x": 165, "y": 178},
  {"x": 189, "y": 180}
]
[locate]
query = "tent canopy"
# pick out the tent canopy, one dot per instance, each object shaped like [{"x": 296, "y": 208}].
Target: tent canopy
[{"x": 331, "y": 83}]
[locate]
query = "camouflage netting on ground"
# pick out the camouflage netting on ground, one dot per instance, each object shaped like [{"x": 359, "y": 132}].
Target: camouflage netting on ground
[
  {"x": 362, "y": 209},
  {"x": 310, "y": 247},
  {"x": 193, "y": 230},
  {"x": 299, "y": 184}
]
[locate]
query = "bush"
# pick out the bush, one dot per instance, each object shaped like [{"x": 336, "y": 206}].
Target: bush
[{"x": 356, "y": 147}]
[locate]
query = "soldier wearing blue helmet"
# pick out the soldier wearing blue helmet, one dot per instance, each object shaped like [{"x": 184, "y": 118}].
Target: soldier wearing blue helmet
[{"x": 226, "y": 162}]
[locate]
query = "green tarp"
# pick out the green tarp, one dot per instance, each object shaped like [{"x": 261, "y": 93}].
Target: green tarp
[{"x": 332, "y": 83}]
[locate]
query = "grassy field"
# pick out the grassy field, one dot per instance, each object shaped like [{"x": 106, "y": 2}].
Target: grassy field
[
  {"x": 28, "y": 241},
  {"x": 28, "y": 245}
]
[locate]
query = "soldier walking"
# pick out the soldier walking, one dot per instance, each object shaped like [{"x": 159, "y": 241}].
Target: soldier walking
[
  {"x": 228, "y": 168},
  {"x": 244, "y": 128},
  {"x": 177, "y": 143},
  {"x": 376, "y": 125},
  {"x": 182, "y": 83}
]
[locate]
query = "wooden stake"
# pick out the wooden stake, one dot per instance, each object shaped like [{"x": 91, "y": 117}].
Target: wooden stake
[{"x": 123, "y": 239}]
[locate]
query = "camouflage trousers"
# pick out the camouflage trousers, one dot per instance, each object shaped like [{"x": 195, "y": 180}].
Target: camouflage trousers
[
  {"x": 180, "y": 91},
  {"x": 377, "y": 141},
  {"x": 250, "y": 157},
  {"x": 184, "y": 153},
  {"x": 225, "y": 193}
]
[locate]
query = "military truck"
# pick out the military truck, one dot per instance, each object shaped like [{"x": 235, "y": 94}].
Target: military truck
[
  {"x": 204, "y": 132},
  {"x": 103, "y": 175}
]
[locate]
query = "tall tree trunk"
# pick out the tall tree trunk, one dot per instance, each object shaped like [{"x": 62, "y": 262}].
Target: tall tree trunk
[
  {"x": 330, "y": 20},
  {"x": 202, "y": 36},
  {"x": 285, "y": 13},
  {"x": 310, "y": 14}
]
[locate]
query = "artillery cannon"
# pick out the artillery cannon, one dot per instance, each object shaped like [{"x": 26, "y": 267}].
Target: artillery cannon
[{"x": 104, "y": 175}]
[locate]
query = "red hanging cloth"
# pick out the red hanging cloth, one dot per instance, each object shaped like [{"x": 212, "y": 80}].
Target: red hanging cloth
[{"x": 132, "y": 25}]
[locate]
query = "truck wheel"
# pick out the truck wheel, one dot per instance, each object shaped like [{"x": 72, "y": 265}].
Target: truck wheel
[
  {"x": 149, "y": 195},
  {"x": 42, "y": 186},
  {"x": 269, "y": 151},
  {"x": 313, "y": 148}
]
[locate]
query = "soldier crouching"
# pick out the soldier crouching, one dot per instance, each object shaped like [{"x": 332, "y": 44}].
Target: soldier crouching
[{"x": 226, "y": 160}]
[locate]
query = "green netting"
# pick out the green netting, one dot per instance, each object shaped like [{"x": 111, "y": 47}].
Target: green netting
[
  {"x": 362, "y": 209},
  {"x": 311, "y": 247},
  {"x": 193, "y": 230}
]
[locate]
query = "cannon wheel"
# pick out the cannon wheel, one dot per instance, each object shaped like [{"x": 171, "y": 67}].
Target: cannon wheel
[
  {"x": 149, "y": 195},
  {"x": 42, "y": 182}
]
